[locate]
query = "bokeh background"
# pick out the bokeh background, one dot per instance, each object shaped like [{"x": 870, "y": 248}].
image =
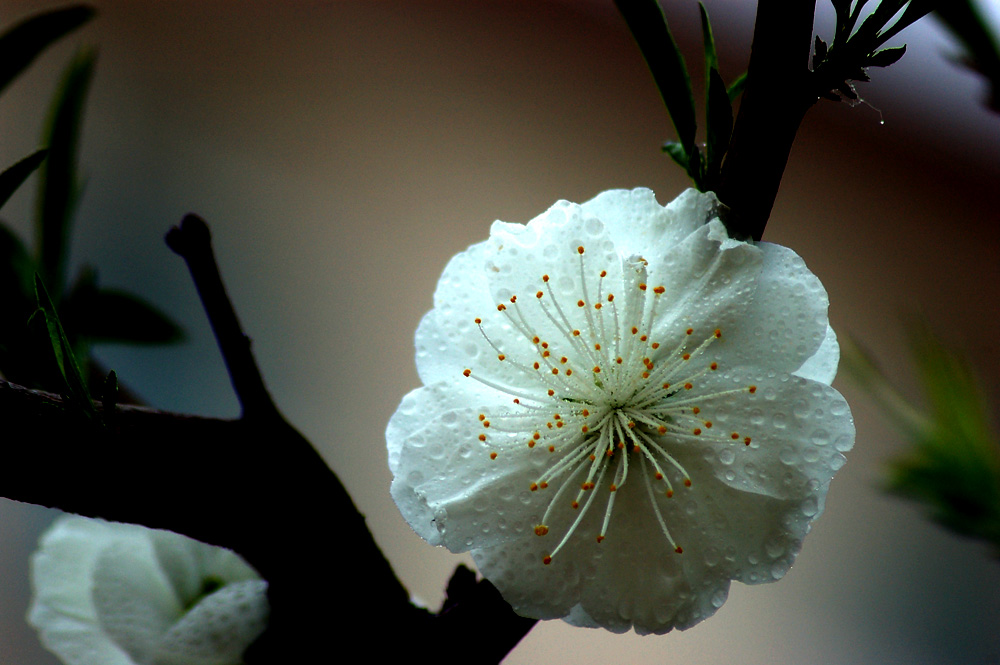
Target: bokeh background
[{"x": 343, "y": 151}]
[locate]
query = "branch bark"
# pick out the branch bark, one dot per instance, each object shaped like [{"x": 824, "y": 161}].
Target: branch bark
[
  {"x": 254, "y": 485},
  {"x": 777, "y": 96}
]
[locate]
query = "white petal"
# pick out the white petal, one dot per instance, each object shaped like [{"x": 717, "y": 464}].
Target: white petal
[
  {"x": 787, "y": 319},
  {"x": 447, "y": 486},
  {"x": 219, "y": 628},
  {"x": 447, "y": 339},
  {"x": 108, "y": 593},
  {"x": 822, "y": 365},
  {"x": 640, "y": 226}
]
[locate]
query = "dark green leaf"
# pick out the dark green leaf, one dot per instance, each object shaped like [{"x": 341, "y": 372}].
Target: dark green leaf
[
  {"x": 12, "y": 178},
  {"x": 16, "y": 274},
  {"x": 649, "y": 27},
  {"x": 886, "y": 56},
  {"x": 59, "y": 186},
  {"x": 676, "y": 152},
  {"x": 914, "y": 11},
  {"x": 736, "y": 88},
  {"x": 708, "y": 40},
  {"x": 720, "y": 126},
  {"x": 109, "y": 397},
  {"x": 868, "y": 31},
  {"x": 69, "y": 369},
  {"x": 20, "y": 45},
  {"x": 111, "y": 316},
  {"x": 820, "y": 51}
]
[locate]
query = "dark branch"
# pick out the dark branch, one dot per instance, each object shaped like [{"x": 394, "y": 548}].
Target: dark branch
[
  {"x": 254, "y": 485},
  {"x": 777, "y": 96},
  {"x": 192, "y": 241}
]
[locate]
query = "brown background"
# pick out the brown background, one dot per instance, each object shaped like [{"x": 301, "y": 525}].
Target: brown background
[{"x": 344, "y": 150}]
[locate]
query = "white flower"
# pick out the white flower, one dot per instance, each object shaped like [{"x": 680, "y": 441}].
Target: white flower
[
  {"x": 121, "y": 594},
  {"x": 623, "y": 410}
]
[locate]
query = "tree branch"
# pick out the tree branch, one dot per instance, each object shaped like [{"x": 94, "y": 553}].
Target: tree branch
[
  {"x": 776, "y": 98},
  {"x": 254, "y": 485}
]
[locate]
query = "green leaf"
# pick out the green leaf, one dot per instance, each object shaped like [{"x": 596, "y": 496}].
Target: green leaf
[
  {"x": 737, "y": 87},
  {"x": 886, "y": 56},
  {"x": 719, "y": 112},
  {"x": 16, "y": 274},
  {"x": 59, "y": 187},
  {"x": 109, "y": 397},
  {"x": 111, "y": 316},
  {"x": 649, "y": 27},
  {"x": 14, "y": 176},
  {"x": 20, "y": 45},
  {"x": 708, "y": 41},
  {"x": 676, "y": 152},
  {"x": 69, "y": 369}
]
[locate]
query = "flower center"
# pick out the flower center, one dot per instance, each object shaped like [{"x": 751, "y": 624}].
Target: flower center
[{"x": 600, "y": 396}]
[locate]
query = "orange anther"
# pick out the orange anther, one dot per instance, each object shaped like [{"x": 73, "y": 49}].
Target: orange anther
[
  {"x": 546, "y": 560},
  {"x": 513, "y": 299},
  {"x": 686, "y": 356},
  {"x": 679, "y": 550},
  {"x": 579, "y": 249},
  {"x": 696, "y": 431},
  {"x": 718, "y": 333},
  {"x": 539, "y": 294},
  {"x": 747, "y": 440},
  {"x": 670, "y": 494},
  {"x": 604, "y": 273},
  {"x": 501, "y": 357},
  {"x": 501, "y": 307},
  {"x": 467, "y": 372},
  {"x": 613, "y": 488},
  {"x": 688, "y": 386},
  {"x": 642, "y": 286},
  {"x": 533, "y": 487},
  {"x": 752, "y": 389},
  {"x": 552, "y": 449},
  {"x": 661, "y": 429},
  {"x": 658, "y": 290},
  {"x": 545, "y": 278},
  {"x": 659, "y": 476},
  {"x": 541, "y": 530},
  {"x": 600, "y": 539},
  {"x": 543, "y": 485},
  {"x": 695, "y": 410},
  {"x": 493, "y": 455},
  {"x": 689, "y": 331},
  {"x": 687, "y": 482},
  {"x": 482, "y": 437},
  {"x": 478, "y": 321}
]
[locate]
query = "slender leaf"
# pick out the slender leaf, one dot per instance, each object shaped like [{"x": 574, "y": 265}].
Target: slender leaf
[
  {"x": 20, "y": 45},
  {"x": 708, "y": 40},
  {"x": 59, "y": 187},
  {"x": 886, "y": 56},
  {"x": 69, "y": 369},
  {"x": 737, "y": 87},
  {"x": 109, "y": 397},
  {"x": 649, "y": 27},
  {"x": 111, "y": 316},
  {"x": 16, "y": 274},
  {"x": 719, "y": 112},
  {"x": 676, "y": 152},
  {"x": 14, "y": 176}
]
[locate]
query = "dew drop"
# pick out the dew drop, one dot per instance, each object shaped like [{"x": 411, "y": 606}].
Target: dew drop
[
  {"x": 787, "y": 456},
  {"x": 820, "y": 437},
  {"x": 774, "y": 548},
  {"x": 414, "y": 478},
  {"x": 718, "y": 598},
  {"x": 727, "y": 456},
  {"x": 779, "y": 421},
  {"x": 809, "y": 507},
  {"x": 778, "y": 569},
  {"x": 844, "y": 443}
]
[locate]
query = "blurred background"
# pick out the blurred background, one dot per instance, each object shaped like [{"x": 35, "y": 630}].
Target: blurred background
[{"x": 343, "y": 151}]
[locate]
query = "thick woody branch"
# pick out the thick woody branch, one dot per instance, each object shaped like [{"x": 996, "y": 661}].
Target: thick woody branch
[
  {"x": 776, "y": 98},
  {"x": 254, "y": 485}
]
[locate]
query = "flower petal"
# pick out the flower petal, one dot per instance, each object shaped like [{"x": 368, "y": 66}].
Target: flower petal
[{"x": 787, "y": 320}]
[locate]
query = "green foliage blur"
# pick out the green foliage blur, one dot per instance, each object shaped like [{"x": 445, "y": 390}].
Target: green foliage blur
[
  {"x": 48, "y": 323},
  {"x": 953, "y": 466}
]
